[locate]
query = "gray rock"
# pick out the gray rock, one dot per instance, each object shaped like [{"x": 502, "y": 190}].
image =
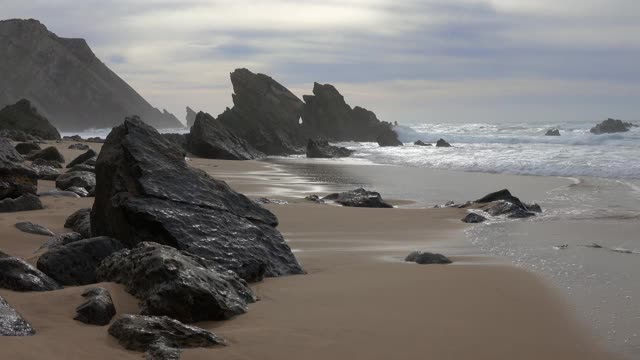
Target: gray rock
[
  {"x": 315, "y": 198},
  {"x": 16, "y": 178},
  {"x": 82, "y": 158},
  {"x": 79, "y": 147},
  {"x": 43, "y": 162},
  {"x": 24, "y": 117},
  {"x": 27, "y": 147},
  {"x": 210, "y": 138},
  {"x": 12, "y": 323},
  {"x": 473, "y": 218},
  {"x": 552, "y": 132},
  {"x": 46, "y": 172},
  {"x": 442, "y": 143},
  {"x": 26, "y": 202},
  {"x": 83, "y": 167},
  {"x": 423, "y": 258},
  {"x": 322, "y": 149},
  {"x": 180, "y": 285},
  {"x": 82, "y": 179},
  {"x": 358, "y": 198},
  {"x": 80, "y": 222},
  {"x": 59, "y": 240},
  {"x": 58, "y": 193},
  {"x": 180, "y": 140},
  {"x": 421, "y": 143},
  {"x": 18, "y": 275},
  {"x": 98, "y": 309},
  {"x": 388, "y": 139},
  {"x": 50, "y": 153},
  {"x": 610, "y": 126},
  {"x": 191, "y": 117},
  {"x": 32, "y": 228},
  {"x": 81, "y": 192}
]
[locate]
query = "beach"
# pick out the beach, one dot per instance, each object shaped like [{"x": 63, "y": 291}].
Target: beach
[{"x": 359, "y": 299}]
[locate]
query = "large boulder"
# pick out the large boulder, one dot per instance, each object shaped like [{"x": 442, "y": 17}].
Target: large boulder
[
  {"x": 421, "y": 143},
  {"x": 31, "y": 228},
  {"x": 80, "y": 179},
  {"x": 47, "y": 163},
  {"x": 26, "y": 202},
  {"x": 425, "y": 258},
  {"x": 76, "y": 263},
  {"x": 98, "y": 308},
  {"x": 473, "y": 218},
  {"x": 80, "y": 222},
  {"x": 180, "y": 285},
  {"x": 50, "y": 153},
  {"x": 552, "y": 132},
  {"x": 611, "y": 126},
  {"x": 178, "y": 139},
  {"x": 209, "y": 138},
  {"x": 24, "y": 117},
  {"x": 82, "y": 158},
  {"x": 25, "y": 148},
  {"x": 358, "y": 198},
  {"x": 191, "y": 117},
  {"x": 147, "y": 192},
  {"x": 322, "y": 149},
  {"x": 388, "y": 139},
  {"x": 442, "y": 143},
  {"x": 16, "y": 178},
  {"x": 12, "y": 323},
  {"x": 18, "y": 275}
]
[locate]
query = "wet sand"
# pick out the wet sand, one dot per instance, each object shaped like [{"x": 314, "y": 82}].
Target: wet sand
[{"x": 359, "y": 299}]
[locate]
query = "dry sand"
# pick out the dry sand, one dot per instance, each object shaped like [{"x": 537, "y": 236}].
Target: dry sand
[{"x": 358, "y": 300}]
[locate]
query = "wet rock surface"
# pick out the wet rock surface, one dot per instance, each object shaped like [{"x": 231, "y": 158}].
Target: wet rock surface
[
  {"x": 58, "y": 193},
  {"x": 314, "y": 198},
  {"x": 50, "y": 153},
  {"x": 80, "y": 222},
  {"x": 22, "y": 116},
  {"x": 78, "y": 179},
  {"x": 98, "y": 309},
  {"x": 26, "y": 202},
  {"x": 504, "y": 203},
  {"x": 211, "y": 139},
  {"x": 610, "y": 126},
  {"x": 473, "y": 218},
  {"x": 83, "y": 167},
  {"x": 552, "y": 132},
  {"x": 358, "y": 198},
  {"x": 59, "y": 240},
  {"x": 322, "y": 149},
  {"x": 442, "y": 143},
  {"x": 18, "y": 275},
  {"x": 16, "y": 178},
  {"x": 176, "y": 284},
  {"x": 82, "y": 158},
  {"x": 424, "y": 258},
  {"x": 31, "y": 228},
  {"x": 12, "y": 323},
  {"x": 46, "y": 172},
  {"x": 79, "y": 146}
]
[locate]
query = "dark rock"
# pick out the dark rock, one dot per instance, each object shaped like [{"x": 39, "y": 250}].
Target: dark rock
[
  {"x": 611, "y": 126},
  {"x": 98, "y": 309},
  {"x": 315, "y": 198},
  {"x": 180, "y": 285},
  {"x": 147, "y": 192},
  {"x": 73, "y": 138},
  {"x": 50, "y": 153},
  {"x": 442, "y": 143},
  {"x": 191, "y": 117},
  {"x": 82, "y": 158},
  {"x": 520, "y": 214},
  {"x": 12, "y": 323},
  {"x": 210, "y": 138},
  {"x": 32, "y": 228},
  {"x": 26, "y": 202},
  {"x": 79, "y": 147},
  {"x": 27, "y": 147},
  {"x": 322, "y": 149},
  {"x": 80, "y": 222},
  {"x": 16, "y": 178},
  {"x": 421, "y": 143},
  {"x": 264, "y": 200},
  {"x": 180, "y": 140},
  {"x": 82, "y": 179},
  {"x": 358, "y": 198},
  {"x": 46, "y": 172},
  {"x": 59, "y": 240},
  {"x": 76, "y": 263},
  {"x": 81, "y": 192},
  {"x": 423, "y": 258},
  {"x": 95, "y": 139},
  {"x": 42, "y": 162},
  {"x": 17, "y": 135},
  {"x": 594, "y": 246},
  {"x": 58, "y": 193},
  {"x": 553, "y": 132},
  {"x": 502, "y": 207},
  {"x": 24, "y": 117},
  {"x": 83, "y": 167},
  {"x": 473, "y": 218},
  {"x": 533, "y": 208},
  {"x": 388, "y": 139},
  {"x": 162, "y": 351},
  {"x": 503, "y": 194},
  {"x": 18, "y": 275}
]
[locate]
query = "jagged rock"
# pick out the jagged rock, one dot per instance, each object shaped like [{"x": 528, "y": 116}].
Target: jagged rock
[
  {"x": 24, "y": 117},
  {"x": 442, "y": 143},
  {"x": 421, "y": 143},
  {"x": 533, "y": 208},
  {"x": 322, "y": 149},
  {"x": 147, "y": 192},
  {"x": 25, "y": 148},
  {"x": 43, "y": 162},
  {"x": 76, "y": 262},
  {"x": 18, "y": 275},
  {"x": 82, "y": 179},
  {"x": 98, "y": 309},
  {"x": 315, "y": 198},
  {"x": 388, "y": 139},
  {"x": 46, "y": 172},
  {"x": 191, "y": 117},
  {"x": 358, "y": 198},
  {"x": 58, "y": 193},
  {"x": 83, "y": 167},
  {"x": 82, "y": 158},
  {"x": 79, "y": 147},
  {"x": 12, "y": 323},
  {"x": 91, "y": 162},
  {"x": 81, "y": 192},
  {"x": 503, "y": 203},
  {"x": 16, "y": 178},
  {"x": 503, "y": 194},
  {"x": 473, "y": 218},
  {"x": 32, "y": 228},
  {"x": 26, "y": 202},
  {"x": 209, "y": 138},
  {"x": 160, "y": 336},
  {"x": 264, "y": 200},
  {"x": 423, "y": 258},
  {"x": 611, "y": 126},
  {"x": 80, "y": 222},
  {"x": 50, "y": 153},
  {"x": 180, "y": 285},
  {"x": 553, "y": 132}
]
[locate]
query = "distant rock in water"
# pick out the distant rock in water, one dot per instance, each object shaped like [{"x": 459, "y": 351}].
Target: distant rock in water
[
  {"x": 359, "y": 198},
  {"x": 50, "y": 153},
  {"x": 473, "y": 218},
  {"x": 65, "y": 80},
  {"x": 191, "y": 117},
  {"x": 504, "y": 203},
  {"x": 18, "y": 275},
  {"x": 553, "y": 132},
  {"x": 611, "y": 126},
  {"x": 425, "y": 258},
  {"x": 24, "y": 117},
  {"x": 211, "y": 139},
  {"x": 442, "y": 143},
  {"x": 421, "y": 143},
  {"x": 322, "y": 149}
]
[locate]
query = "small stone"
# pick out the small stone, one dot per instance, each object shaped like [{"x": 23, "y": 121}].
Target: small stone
[{"x": 32, "y": 228}]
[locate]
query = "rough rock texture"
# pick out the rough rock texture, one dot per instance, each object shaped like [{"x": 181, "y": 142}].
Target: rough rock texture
[
  {"x": 442, "y": 143},
  {"x": 12, "y": 323},
  {"x": 66, "y": 81},
  {"x": 160, "y": 336},
  {"x": 421, "y": 143},
  {"x": 43, "y": 162},
  {"x": 265, "y": 114},
  {"x": 83, "y": 167},
  {"x": 98, "y": 309},
  {"x": 50, "y": 153},
  {"x": 314, "y": 198},
  {"x": 147, "y": 192},
  {"x": 46, "y": 172},
  {"x": 209, "y": 138},
  {"x": 182, "y": 286},
  {"x": 358, "y": 198},
  {"x": 322, "y": 149},
  {"x": 26, "y": 202},
  {"x": 16, "y": 178},
  {"x": 81, "y": 179},
  {"x": 32, "y": 228},
  {"x": 79, "y": 147},
  {"x": 504, "y": 203},
  {"x": 388, "y": 139},
  {"x": 76, "y": 262},
  {"x": 191, "y": 117},
  {"x": 424, "y": 258},
  {"x": 82, "y": 158},
  {"x": 80, "y": 222},
  {"x": 611, "y": 126},
  {"x": 473, "y": 218},
  {"x": 18, "y": 275},
  {"x": 59, "y": 240},
  {"x": 552, "y": 132},
  {"x": 180, "y": 140},
  {"x": 24, "y": 117},
  {"x": 17, "y": 135},
  {"x": 25, "y": 148}
]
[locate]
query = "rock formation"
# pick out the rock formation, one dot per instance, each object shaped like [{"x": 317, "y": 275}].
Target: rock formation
[
  {"x": 423, "y": 258},
  {"x": 27, "y": 147},
  {"x": 191, "y": 117},
  {"x": 31, "y": 228},
  {"x": 12, "y": 323},
  {"x": 473, "y": 218},
  {"x": 18, "y": 275},
  {"x": 209, "y": 138},
  {"x": 98, "y": 309},
  {"x": 50, "y": 153},
  {"x": 82, "y": 158},
  {"x": 611, "y": 126},
  {"x": 552, "y": 132},
  {"x": 16, "y": 178},
  {"x": 442, "y": 143},
  {"x": 80, "y": 222},
  {"x": 421, "y": 143},
  {"x": 358, "y": 198},
  {"x": 24, "y": 117},
  {"x": 322, "y": 149}
]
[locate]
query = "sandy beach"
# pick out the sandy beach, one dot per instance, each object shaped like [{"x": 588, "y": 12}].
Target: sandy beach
[{"x": 358, "y": 300}]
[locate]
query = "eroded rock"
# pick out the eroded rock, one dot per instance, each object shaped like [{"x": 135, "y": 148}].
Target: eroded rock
[
  {"x": 424, "y": 258},
  {"x": 98, "y": 309},
  {"x": 358, "y": 198},
  {"x": 12, "y": 323},
  {"x": 211, "y": 139},
  {"x": 80, "y": 222},
  {"x": 18, "y": 275}
]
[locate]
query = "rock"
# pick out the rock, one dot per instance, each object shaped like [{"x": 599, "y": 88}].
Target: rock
[
  {"x": 533, "y": 208},
  {"x": 191, "y": 117},
  {"x": 504, "y": 195},
  {"x": 32, "y": 228},
  {"x": 180, "y": 140},
  {"x": 18, "y": 275},
  {"x": 611, "y": 126},
  {"x": 594, "y": 246},
  {"x": 42, "y": 162},
  {"x": 59, "y": 240},
  {"x": 553, "y": 132},
  {"x": 264, "y": 200},
  {"x": 81, "y": 192},
  {"x": 423, "y": 258},
  {"x": 50, "y": 153},
  {"x": 180, "y": 285},
  {"x": 16, "y": 178},
  {"x": 76, "y": 262},
  {"x": 315, "y": 198},
  {"x": 73, "y": 138},
  {"x": 502, "y": 207},
  {"x": 211, "y": 139},
  {"x": 473, "y": 218},
  {"x": 46, "y": 172},
  {"x": 24, "y": 117},
  {"x": 17, "y": 135},
  {"x": 58, "y": 193},
  {"x": 82, "y": 179},
  {"x": 27, "y": 147},
  {"x": 442, "y": 143},
  {"x": 98, "y": 309},
  {"x": 160, "y": 336},
  {"x": 79, "y": 147},
  {"x": 421, "y": 143},
  {"x": 358, "y": 198},
  {"x": 83, "y": 167},
  {"x": 388, "y": 139},
  {"x": 80, "y": 222},
  {"x": 521, "y": 214},
  {"x": 26, "y": 202},
  {"x": 82, "y": 158},
  {"x": 166, "y": 201},
  {"x": 95, "y": 139},
  {"x": 561, "y": 247},
  {"x": 12, "y": 323},
  {"x": 322, "y": 149}
]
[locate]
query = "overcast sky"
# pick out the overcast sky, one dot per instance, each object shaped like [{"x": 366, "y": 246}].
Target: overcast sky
[{"x": 407, "y": 60}]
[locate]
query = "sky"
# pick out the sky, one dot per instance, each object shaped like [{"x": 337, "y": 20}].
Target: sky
[{"x": 407, "y": 60}]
